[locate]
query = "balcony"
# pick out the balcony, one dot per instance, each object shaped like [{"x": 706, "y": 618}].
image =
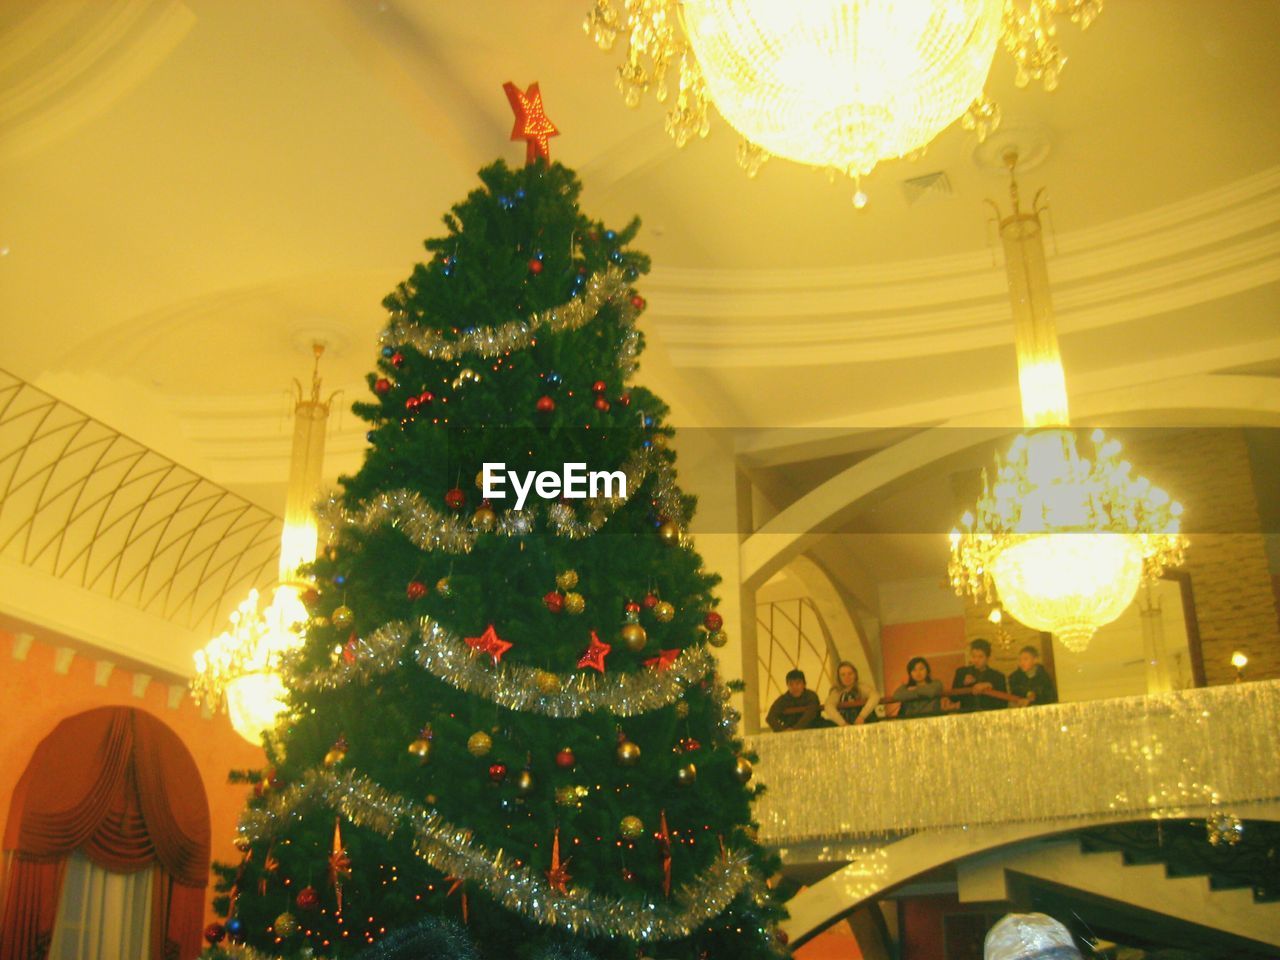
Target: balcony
[{"x": 1148, "y": 756}]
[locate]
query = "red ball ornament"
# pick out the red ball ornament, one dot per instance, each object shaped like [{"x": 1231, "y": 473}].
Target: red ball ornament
[
  {"x": 411, "y": 404},
  {"x": 690, "y": 744},
  {"x": 381, "y": 386},
  {"x": 497, "y": 772},
  {"x": 535, "y": 266},
  {"x": 650, "y": 600},
  {"x": 565, "y": 759},
  {"x": 397, "y": 359},
  {"x": 455, "y": 498},
  {"x": 554, "y": 601},
  {"x": 426, "y": 396},
  {"x": 599, "y": 387},
  {"x": 307, "y": 899},
  {"x": 638, "y": 302},
  {"x": 602, "y": 404},
  {"x": 631, "y": 607},
  {"x": 215, "y": 933},
  {"x": 545, "y": 404},
  {"x": 713, "y": 621},
  {"x": 628, "y": 876},
  {"x": 416, "y": 590},
  {"x": 310, "y": 597},
  {"x": 783, "y": 937},
  {"x": 625, "y": 399}
]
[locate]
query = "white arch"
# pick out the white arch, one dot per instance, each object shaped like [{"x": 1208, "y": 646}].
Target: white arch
[{"x": 1199, "y": 400}]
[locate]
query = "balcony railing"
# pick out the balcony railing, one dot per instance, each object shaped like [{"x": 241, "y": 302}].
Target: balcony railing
[{"x": 1152, "y": 756}]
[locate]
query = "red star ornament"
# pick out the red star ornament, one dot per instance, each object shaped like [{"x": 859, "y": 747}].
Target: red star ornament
[
  {"x": 532, "y": 123},
  {"x": 663, "y": 661},
  {"x": 489, "y": 642},
  {"x": 558, "y": 875},
  {"x": 597, "y": 650}
]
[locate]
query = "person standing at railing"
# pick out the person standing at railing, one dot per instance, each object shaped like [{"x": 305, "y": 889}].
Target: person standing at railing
[
  {"x": 1031, "y": 681},
  {"x": 797, "y": 709},
  {"x": 860, "y": 698},
  {"x": 980, "y": 676},
  {"x": 921, "y": 695}
]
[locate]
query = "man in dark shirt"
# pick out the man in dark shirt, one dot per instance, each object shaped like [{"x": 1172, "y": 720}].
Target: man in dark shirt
[
  {"x": 1031, "y": 680},
  {"x": 979, "y": 676},
  {"x": 797, "y": 709}
]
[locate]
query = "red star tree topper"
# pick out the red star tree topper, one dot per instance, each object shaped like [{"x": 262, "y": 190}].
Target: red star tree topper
[{"x": 532, "y": 123}]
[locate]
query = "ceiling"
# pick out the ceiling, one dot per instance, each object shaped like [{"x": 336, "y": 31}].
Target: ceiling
[{"x": 191, "y": 191}]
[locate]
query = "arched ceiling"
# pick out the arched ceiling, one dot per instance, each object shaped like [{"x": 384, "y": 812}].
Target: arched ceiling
[{"x": 191, "y": 189}]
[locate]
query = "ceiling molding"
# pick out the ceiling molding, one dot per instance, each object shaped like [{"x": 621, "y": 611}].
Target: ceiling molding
[
  {"x": 67, "y": 62},
  {"x": 1187, "y": 253}
]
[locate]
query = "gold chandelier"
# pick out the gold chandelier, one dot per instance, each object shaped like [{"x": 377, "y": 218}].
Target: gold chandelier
[
  {"x": 239, "y": 668},
  {"x": 1061, "y": 538},
  {"x": 840, "y": 84}
]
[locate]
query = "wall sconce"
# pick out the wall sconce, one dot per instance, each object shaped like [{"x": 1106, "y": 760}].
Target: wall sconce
[{"x": 1239, "y": 661}]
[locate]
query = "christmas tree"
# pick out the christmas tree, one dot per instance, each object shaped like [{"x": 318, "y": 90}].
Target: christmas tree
[{"x": 506, "y": 734}]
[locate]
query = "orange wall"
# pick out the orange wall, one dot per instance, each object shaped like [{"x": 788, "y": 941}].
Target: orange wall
[
  {"x": 941, "y": 642},
  {"x": 33, "y": 699},
  {"x": 837, "y": 943}
]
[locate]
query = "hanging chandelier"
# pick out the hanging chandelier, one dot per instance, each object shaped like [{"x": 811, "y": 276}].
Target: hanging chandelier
[
  {"x": 839, "y": 84},
  {"x": 239, "y": 669},
  {"x": 1060, "y": 537}
]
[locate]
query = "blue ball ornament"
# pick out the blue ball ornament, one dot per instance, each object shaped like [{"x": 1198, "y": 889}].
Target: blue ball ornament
[
  {"x": 610, "y": 235},
  {"x": 520, "y": 193},
  {"x": 388, "y": 351},
  {"x": 553, "y": 379},
  {"x": 339, "y": 580},
  {"x": 235, "y": 926}
]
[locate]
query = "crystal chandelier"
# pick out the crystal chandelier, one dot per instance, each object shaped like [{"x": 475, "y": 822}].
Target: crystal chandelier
[
  {"x": 1062, "y": 538},
  {"x": 840, "y": 84},
  {"x": 238, "y": 669}
]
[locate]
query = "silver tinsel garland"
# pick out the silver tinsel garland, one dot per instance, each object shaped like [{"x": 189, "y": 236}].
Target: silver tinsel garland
[
  {"x": 431, "y": 529},
  {"x": 611, "y": 286},
  {"x": 516, "y": 687},
  {"x": 455, "y": 852}
]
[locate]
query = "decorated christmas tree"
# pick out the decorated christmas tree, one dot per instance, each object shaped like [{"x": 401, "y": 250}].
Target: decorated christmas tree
[{"x": 506, "y": 734}]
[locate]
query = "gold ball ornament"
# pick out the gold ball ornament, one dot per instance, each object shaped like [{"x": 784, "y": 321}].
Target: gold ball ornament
[
  {"x": 567, "y": 579},
  {"x": 717, "y": 638},
  {"x": 574, "y": 603},
  {"x": 420, "y": 748},
  {"x": 480, "y": 480},
  {"x": 443, "y": 587},
  {"x": 337, "y": 753},
  {"x": 286, "y": 925},
  {"x": 742, "y": 770},
  {"x": 479, "y": 744},
  {"x": 628, "y": 754},
  {"x": 525, "y": 784},
  {"x": 631, "y": 827},
  {"x": 571, "y": 796},
  {"x": 687, "y": 775},
  {"x": 668, "y": 533},
  {"x": 634, "y": 636},
  {"x": 342, "y": 617},
  {"x": 484, "y": 519},
  {"x": 663, "y": 612},
  {"x": 548, "y": 683},
  {"x": 682, "y": 709}
]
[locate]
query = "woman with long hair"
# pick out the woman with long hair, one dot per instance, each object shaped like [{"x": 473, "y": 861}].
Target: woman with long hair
[
  {"x": 849, "y": 689},
  {"x": 921, "y": 695}
]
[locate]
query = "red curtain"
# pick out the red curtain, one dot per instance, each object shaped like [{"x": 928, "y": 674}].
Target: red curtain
[{"x": 119, "y": 785}]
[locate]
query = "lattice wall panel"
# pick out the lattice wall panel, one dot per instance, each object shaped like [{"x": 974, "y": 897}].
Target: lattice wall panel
[{"x": 85, "y": 503}]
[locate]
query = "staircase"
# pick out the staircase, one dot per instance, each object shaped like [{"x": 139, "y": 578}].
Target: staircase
[{"x": 1108, "y": 892}]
